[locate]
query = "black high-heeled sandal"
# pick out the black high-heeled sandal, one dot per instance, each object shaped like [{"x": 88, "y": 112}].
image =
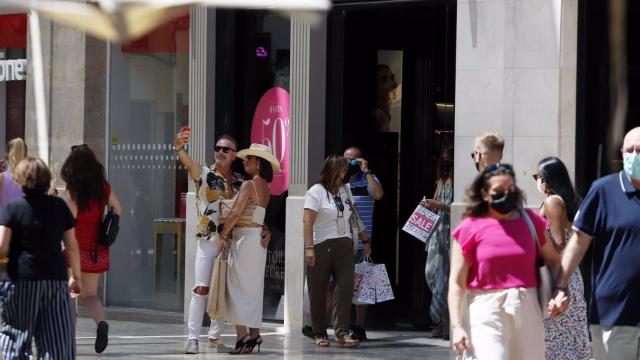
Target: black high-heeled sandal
[
  {"x": 241, "y": 345},
  {"x": 253, "y": 342}
]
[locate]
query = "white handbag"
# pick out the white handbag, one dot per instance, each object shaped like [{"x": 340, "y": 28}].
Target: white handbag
[{"x": 546, "y": 282}]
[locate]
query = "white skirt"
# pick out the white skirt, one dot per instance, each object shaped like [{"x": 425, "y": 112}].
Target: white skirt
[{"x": 245, "y": 277}]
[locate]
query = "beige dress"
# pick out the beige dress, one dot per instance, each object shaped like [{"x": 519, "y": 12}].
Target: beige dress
[{"x": 245, "y": 272}]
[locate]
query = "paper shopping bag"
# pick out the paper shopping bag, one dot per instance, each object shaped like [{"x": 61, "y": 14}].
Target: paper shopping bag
[
  {"x": 217, "y": 305},
  {"x": 360, "y": 279},
  {"x": 384, "y": 292},
  {"x": 367, "y": 292}
]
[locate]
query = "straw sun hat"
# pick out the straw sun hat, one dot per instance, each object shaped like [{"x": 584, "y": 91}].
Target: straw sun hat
[{"x": 261, "y": 151}]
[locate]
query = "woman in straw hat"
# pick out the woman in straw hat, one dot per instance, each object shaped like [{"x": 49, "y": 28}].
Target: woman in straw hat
[{"x": 247, "y": 257}]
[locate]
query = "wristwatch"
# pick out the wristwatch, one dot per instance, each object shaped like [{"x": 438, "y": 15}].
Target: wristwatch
[
  {"x": 368, "y": 172},
  {"x": 176, "y": 149}
]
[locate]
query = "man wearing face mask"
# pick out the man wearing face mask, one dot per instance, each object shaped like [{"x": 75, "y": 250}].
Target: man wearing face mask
[
  {"x": 609, "y": 216},
  {"x": 487, "y": 150},
  {"x": 366, "y": 189}
]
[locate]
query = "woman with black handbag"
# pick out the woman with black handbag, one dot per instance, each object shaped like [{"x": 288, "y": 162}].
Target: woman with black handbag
[
  {"x": 494, "y": 260},
  {"x": 88, "y": 192}
]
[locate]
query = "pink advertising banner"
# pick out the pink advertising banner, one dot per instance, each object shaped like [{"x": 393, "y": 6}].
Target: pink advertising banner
[{"x": 270, "y": 127}]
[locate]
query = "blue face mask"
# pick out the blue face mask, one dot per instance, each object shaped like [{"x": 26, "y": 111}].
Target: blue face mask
[{"x": 632, "y": 165}]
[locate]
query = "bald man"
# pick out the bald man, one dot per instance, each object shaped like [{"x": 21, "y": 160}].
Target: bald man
[{"x": 609, "y": 217}]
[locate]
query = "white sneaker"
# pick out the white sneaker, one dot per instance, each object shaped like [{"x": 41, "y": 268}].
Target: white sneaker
[{"x": 191, "y": 347}]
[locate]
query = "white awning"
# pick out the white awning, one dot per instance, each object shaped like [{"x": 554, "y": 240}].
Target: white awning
[{"x": 123, "y": 20}]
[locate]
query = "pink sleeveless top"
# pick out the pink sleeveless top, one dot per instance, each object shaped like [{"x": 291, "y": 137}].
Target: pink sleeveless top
[{"x": 10, "y": 190}]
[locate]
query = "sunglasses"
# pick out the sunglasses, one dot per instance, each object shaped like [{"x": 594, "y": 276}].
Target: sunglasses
[
  {"x": 224, "y": 149},
  {"x": 537, "y": 176},
  {"x": 339, "y": 203}
]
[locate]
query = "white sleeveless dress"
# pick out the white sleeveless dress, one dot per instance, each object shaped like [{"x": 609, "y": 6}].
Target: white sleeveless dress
[{"x": 245, "y": 272}]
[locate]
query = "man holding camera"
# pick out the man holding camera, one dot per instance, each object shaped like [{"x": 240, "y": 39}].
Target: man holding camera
[{"x": 366, "y": 189}]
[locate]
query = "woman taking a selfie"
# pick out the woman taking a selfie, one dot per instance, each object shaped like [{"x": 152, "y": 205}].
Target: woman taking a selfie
[
  {"x": 493, "y": 258},
  {"x": 329, "y": 250},
  {"x": 87, "y": 195}
]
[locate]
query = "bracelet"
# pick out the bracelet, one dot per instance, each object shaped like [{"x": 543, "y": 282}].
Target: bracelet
[
  {"x": 368, "y": 172},
  {"x": 309, "y": 247},
  {"x": 365, "y": 241},
  {"x": 177, "y": 149}
]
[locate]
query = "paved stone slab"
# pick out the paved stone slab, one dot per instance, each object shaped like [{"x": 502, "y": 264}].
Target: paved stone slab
[{"x": 133, "y": 340}]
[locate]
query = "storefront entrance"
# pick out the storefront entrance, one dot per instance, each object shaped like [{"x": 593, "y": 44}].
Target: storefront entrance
[{"x": 390, "y": 91}]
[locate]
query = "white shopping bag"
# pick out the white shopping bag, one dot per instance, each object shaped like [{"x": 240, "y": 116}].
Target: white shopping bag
[
  {"x": 384, "y": 292},
  {"x": 363, "y": 269}
]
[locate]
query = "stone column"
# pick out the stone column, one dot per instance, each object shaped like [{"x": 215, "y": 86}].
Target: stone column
[
  {"x": 308, "y": 83},
  {"x": 201, "y": 120},
  {"x": 515, "y": 75},
  {"x": 63, "y": 53}
]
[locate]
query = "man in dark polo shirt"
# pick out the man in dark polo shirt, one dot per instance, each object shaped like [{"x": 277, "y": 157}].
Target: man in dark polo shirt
[{"x": 609, "y": 217}]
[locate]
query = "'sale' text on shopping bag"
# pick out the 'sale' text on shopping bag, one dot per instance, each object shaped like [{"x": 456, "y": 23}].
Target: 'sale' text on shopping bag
[{"x": 422, "y": 223}]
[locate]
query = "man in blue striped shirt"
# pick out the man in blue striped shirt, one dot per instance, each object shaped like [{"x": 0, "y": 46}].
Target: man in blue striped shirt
[{"x": 366, "y": 189}]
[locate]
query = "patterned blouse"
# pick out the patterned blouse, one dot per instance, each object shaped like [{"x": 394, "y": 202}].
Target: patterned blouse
[{"x": 211, "y": 189}]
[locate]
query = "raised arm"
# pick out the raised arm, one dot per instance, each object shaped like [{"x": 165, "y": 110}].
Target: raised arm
[
  {"x": 192, "y": 167},
  {"x": 374, "y": 187}
]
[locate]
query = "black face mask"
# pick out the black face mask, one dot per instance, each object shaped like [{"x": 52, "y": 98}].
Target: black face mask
[
  {"x": 447, "y": 165},
  {"x": 504, "y": 202},
  {"x": 478, "y": 166},
  {"x": 351, "y": 170}
]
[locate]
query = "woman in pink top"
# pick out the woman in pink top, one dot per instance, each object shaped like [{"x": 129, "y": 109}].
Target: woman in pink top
[{"x": 494, "y": 260}]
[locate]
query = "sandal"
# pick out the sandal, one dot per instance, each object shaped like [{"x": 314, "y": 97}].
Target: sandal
[
  {"x": 346, "y": 341},
  {"x": 322, "y": 341}
]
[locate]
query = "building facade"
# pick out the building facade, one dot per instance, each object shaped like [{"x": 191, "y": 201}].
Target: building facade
[{"x": 402, "y": 80}]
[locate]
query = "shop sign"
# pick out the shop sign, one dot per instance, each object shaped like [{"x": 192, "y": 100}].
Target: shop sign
[
  {"x": 13, "y": 70},
  {"x": 270, "y": 127}
]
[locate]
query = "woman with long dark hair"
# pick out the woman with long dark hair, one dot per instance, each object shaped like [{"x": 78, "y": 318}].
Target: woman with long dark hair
[
  {"x": 247, "y": 250},
  {"x": 88, "y": 192},
  {"x": 437, "y": 265},
  {"x": 493, "y": 261},
  {"x": 566, "y": 336}
]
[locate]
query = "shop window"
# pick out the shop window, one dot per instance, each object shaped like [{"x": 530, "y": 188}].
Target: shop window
[{"x": 148, "y": 104}]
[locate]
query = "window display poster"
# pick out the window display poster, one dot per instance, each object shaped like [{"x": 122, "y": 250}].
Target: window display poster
[{"x": 270, "y": 127}]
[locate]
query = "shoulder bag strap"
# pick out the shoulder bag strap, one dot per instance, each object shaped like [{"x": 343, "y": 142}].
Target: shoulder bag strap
[{"x": 532, "y": 229}]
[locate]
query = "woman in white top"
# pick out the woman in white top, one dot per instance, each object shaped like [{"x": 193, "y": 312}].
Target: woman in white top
[
  {"x": 329, "y": 250},
  {"x": 247, "y": 255}
]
